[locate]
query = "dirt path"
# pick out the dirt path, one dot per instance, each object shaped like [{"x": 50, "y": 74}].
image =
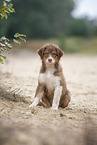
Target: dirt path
[{"x": 18, "y": 81}]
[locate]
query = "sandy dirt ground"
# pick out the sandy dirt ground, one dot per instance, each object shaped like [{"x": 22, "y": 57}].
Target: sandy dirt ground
[{"x": 74, "y": 125}]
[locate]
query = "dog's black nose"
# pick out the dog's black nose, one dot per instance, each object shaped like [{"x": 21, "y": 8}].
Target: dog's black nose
[{"x": 50, "y": 60}]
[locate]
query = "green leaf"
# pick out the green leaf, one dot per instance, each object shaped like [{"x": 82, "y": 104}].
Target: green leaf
[
  {"x": 4, "y": 38},
  {"x": 19, "y": 35},
  {"x": 4, "y": 15},
  {"x": 2, "y": 45},
  {"x": 8, "y": 51},
  {"x": 10, "y": 5},
  {"x": 8, "y": 0},
  {"x": 8, "y": 45},
  {"x": 10, "y": 10},
  {"x": 4, "y": 57},
  {"x": 1, "y": 61},
  {"x": 4, "y": 7},
  {"x": 16, "y": 35},
  {"x": 2, "y": 49},
  {"x": 22, "y": 39},
  {"x": 16, "y": 41}
]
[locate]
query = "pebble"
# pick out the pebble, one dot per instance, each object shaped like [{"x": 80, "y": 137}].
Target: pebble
[
  {"x": 32, "y": 111},
  {"x": 61, "y": 114}
]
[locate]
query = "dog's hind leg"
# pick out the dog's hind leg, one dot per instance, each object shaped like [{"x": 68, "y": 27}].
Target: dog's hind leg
[{"x": 65, "y": 99}]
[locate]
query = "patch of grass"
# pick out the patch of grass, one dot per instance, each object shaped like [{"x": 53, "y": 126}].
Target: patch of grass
[
  {"x": 81, "y": 45},
  {"x": 68, "y": 44},
  {"x": 78, "y": 45},
  {"x": 11, "y": 96}
]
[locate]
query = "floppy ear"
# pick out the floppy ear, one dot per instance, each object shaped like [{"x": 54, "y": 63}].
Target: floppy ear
[
  {"x": 60, "y": 52},
  {"x": 41, "y": 51}
]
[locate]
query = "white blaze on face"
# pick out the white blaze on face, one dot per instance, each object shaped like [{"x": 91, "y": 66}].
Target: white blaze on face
[{"x": 50, "y": 59}]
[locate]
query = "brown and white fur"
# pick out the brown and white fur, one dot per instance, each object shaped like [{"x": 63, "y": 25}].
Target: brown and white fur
[{"x": 51, "y": 90}]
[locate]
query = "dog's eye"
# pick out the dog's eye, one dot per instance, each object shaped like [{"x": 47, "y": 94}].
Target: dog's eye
[
  {"x": 46, "y": 55},
  {"x": 54, "y": 55}
]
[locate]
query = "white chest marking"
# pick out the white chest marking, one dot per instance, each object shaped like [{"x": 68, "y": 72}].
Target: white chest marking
[{"x": 49, "y": 79}]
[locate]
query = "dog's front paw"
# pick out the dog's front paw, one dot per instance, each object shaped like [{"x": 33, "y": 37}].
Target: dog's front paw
[
  {"x": 54, "y": 108},
  {"x": 32, "y": 106}
]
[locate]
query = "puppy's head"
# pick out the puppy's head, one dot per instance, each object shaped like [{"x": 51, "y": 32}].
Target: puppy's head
[{"x": 50, "y": 53}]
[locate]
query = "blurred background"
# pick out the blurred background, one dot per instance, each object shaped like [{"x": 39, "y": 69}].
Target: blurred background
[{"x": 72, "y": 24}]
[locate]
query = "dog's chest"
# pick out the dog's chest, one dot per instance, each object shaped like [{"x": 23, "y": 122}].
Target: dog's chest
[{"x": 51, "y": 81}]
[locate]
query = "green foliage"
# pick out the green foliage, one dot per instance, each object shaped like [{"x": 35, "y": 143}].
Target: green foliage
[
  {"x": 62, "y": 41},
  {"x": 81, "y": 27},
  {"x": 5, "y": 10},
  {"x": 39, "y": 18},
  {"x": 17, "y": 35},
  {"x": 94, "y": 28},
  {"x": 80, "y": 45},
  {"x": 45, "y": 19},
  {"x": 6, "y": 46}
]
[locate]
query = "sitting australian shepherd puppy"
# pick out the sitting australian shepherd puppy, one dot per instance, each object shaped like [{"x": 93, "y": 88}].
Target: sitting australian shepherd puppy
[{"x": 51, "y": 90}]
